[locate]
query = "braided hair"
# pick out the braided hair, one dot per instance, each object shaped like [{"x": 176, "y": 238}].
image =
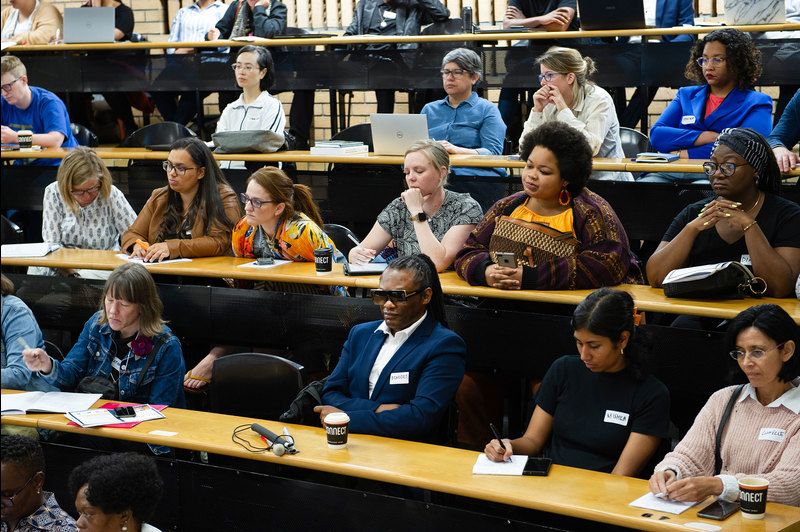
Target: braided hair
[{"x": 424, "y": 276}]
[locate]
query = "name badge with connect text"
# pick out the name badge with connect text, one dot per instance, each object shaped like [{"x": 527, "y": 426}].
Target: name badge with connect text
[
  {"x": 618, "y": 418},
  {"x": 775, "y": 435},
  {"x": 688, "y": 119},
  {"x": 399, "y": 378}
]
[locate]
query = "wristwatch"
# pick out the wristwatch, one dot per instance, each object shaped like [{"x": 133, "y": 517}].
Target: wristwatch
[{"x": 419, "y": 217}]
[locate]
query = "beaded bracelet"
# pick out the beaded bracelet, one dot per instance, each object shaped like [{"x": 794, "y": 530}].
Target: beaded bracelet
[{"x": 748, "y": 226}]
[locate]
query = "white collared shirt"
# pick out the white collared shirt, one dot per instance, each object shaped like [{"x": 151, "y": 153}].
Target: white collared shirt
[
  {"x": 391, "y": 344},
  {"x": 790, "y": 399}
]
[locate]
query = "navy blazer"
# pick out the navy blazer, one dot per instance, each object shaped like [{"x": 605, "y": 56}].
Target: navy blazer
[
  {"x": 682, "y": 122},
  {"x": 433, "y": 358},
  {"x": 671, "y": 13}
]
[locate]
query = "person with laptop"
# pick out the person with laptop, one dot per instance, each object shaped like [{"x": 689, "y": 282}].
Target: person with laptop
[
  {"x": 397, "y": 377},
  {"x": 426, "y": 218},
  {"x": 25, "y": 107},
  {"x": 30, "y": 22},
  {"x": 567, "y": 95},
  {"x": 725, "y": 64},
  {"x": 465, "y": 123}
]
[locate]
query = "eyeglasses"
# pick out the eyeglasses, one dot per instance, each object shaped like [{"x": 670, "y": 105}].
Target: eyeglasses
[
  {"x": 244, "y": 68},
  {"x": 456, "y": 73},
  {"x": 81, "y": 193},
  {"x": 256, "y": 203},
  {"x": 8, "y": 502},
  {"x": 180, "y": 170},
  {"x": 755, "y": 354},
  {"x": 726, "y": 169},
  {"x": 549, "y": 76},
  {"x": 380, "y": 296},
  {"x": 7, "y": 86},
  {"x": 714, "y": 61}
]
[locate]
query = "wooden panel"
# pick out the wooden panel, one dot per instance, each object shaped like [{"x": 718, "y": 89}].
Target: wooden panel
[
  {"x": 347, "y": 10},
  {"x": 291, "y": 15},
  {"x": 500, "y": 11},
  {"x": 302, "y": 14},
  {"x": 317, "y": 14},
  {"x": 331, "y": 15}
]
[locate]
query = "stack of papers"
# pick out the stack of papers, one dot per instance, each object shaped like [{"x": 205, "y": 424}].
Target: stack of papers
[
  {"x": 51, "y": 402},
  {"x": 35, "y": 249},
  {"x": 97, "y": 417},
  {"x": 655, "y": 157},
  {"x": 339, "y": 147}
]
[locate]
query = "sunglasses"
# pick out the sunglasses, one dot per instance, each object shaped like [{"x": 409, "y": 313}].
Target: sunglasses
[{"x": 380, "y": 296}]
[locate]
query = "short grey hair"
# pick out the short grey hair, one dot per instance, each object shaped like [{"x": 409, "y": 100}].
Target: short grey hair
[{"x": 465, "y": 58}]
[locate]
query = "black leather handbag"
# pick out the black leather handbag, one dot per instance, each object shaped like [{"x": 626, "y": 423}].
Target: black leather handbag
[{"x": 726, "y": 280}]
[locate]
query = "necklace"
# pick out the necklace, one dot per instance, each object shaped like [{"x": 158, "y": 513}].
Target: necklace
[{"x": 760, "y": 194}]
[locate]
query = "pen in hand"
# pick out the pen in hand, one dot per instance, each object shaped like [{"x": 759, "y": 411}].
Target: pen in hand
[
  {"x": 355, "y": 240},
  {"x": 499, "y": 439}
]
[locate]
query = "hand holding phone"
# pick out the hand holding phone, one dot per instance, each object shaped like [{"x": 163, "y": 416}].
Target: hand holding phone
[{"x": 506, "y": 259}]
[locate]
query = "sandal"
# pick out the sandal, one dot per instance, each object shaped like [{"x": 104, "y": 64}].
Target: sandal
[{"x": 199, "y": 389}]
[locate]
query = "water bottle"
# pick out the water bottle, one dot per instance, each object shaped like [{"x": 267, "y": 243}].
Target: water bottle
[{"x": 466, "y": 17}]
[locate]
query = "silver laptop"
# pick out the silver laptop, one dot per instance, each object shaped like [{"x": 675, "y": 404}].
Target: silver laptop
[
  {"x": 740, "y": 12},
  {"x": 88, "y": 24},
  {"x": 393, "y": 134}
]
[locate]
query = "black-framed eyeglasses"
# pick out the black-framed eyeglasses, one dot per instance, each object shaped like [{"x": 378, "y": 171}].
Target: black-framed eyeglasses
[
  {"x": 180, "y": 170},
  {"x": 7, "y": 86},
  {"x": 81, "y": 193},
  {"x": 713, "y": 61},
  {"x": 456, "y": 72},
  {"x": 755, "y": 354},
  {"x": 256, "y": 203},
  {"x": 379, "y": 296},
  {"x": 549, "y": 76},
  {"x": 726, "y": 169},
  {"x": 8, "y": 502}
]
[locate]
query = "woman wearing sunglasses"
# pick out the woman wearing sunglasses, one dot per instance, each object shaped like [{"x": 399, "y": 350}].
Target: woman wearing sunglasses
[
  {"x": 83, "y": 210},
  {"x": 747, "y": 222},
  {"x": 761, "y": 436},
  {"x": 568, "y": 96},
  {"x": 190, "y": 217},
  {"x": 397, "y": 377}
]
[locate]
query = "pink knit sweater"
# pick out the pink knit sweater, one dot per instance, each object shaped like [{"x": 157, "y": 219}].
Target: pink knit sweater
[{"x": 745, "y": 449}]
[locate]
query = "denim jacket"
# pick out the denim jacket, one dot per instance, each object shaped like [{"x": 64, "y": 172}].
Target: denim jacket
[
  {"x": 94, "y": 351},
  {"x": 18, "y": 322}
]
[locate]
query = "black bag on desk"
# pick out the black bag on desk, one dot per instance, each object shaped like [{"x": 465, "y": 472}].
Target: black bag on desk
[
  {"x": 301, "y": 411},
  {"x": 726, "y": 280},
  {"x": 109, "y": 388}
]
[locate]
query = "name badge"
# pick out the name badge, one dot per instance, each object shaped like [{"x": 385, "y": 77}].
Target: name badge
[
  {"x": 399, "y": 378},
  {"x": 116, "y": 363},
  {"x": 775, "y": 435},
  {"x": 745, "y": 260},
  {"x": 688, "y": 119},
  {"x": 618, "y": 418},
  {"x": 390, "y": 15}
]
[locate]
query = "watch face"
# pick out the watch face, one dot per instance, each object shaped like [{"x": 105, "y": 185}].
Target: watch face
[{"x": 420, "y": 217}]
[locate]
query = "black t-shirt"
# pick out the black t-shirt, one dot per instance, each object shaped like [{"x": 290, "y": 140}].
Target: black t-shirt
[
  {"x": 595, "y": 413},
  {"x": 123, "y": 21},
  {"x": 537, "y": 8},
  {"x": 778, "y": 219}
]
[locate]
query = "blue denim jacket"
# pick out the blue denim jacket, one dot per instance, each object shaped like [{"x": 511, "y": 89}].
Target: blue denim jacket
[
  {"x": 18, "y": 322},
  {"x": 94, "y": 351}
]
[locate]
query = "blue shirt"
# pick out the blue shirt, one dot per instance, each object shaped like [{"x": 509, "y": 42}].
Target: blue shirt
[
  {"x": 191, "y": 24},
  {"x": 475, "y": 124},
  {"x": 45, "y": 114},
  {"x": 787, "y": 132},
  {"x": 18, "y": 322}
]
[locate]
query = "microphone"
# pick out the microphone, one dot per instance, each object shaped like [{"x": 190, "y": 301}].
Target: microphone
[{"x": 279, "y": 442}]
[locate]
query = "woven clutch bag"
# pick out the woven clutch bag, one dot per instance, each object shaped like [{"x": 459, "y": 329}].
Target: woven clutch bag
[{"x": 532, "y": 243}]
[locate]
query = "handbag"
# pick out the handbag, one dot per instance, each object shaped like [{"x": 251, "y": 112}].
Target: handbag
[
  {"x": 532, "y": 243},
  {"x": 258, "y": 140},
  {"x": 725, "y": 280},
  {"x": 301, "y": 411}
]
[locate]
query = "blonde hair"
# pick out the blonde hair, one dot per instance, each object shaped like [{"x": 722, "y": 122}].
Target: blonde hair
[
  {"x": 79, "y": 166},
  {"x": 10, "y": 64},
  {"x": 434, "y": 152},
  {"x": 133, "y": 283},
  {"x": 570, "y": 61}
]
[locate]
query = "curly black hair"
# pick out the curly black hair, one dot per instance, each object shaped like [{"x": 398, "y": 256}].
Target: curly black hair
[
  {"x": 119, "y": 482},
  {"x": 570, "y": 147},
  {"x": 743, "y": 58},
  {"x": 24, "y": 451}
]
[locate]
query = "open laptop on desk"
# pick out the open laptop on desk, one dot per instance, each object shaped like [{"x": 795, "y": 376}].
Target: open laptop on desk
[
  {"x": 88, "y": 25},
  {"x": 393, "y": 134},
  {"x": 611, "y": 14},
  {"x": 741, "y": 12}
]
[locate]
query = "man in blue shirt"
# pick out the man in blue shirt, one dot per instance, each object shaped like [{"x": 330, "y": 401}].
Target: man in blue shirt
[{"x": 32, "y": 108}]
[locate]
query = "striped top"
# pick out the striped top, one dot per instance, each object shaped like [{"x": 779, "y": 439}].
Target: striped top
[{"x": 191, "y": 24}]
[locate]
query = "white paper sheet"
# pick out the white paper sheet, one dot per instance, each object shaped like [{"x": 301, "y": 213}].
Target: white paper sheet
[
  {"x": 484, "y": 466},
  {"x": 651, "y": 502},
  {"x": 125, "y": 256},
  {"x": 255, "y": 264}
]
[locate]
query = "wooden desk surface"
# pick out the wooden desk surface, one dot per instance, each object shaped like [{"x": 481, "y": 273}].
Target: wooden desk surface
[
  {"x": 646, "y": 297},
  {"x": 566, "y": 491},
  {"x": 373, "y": 39}
]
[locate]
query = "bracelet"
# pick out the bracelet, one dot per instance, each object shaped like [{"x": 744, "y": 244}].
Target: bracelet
[{"x": 748, "y": 226}]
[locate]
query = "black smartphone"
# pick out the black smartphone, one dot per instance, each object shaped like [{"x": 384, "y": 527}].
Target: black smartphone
[
  {"x": 124, "y": 411},
  {"x": 537, "y": 466},
  {"x": 719, "y": 510}
]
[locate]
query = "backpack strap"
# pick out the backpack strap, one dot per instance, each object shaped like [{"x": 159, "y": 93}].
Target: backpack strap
[
  {"x": 725, "y": 415},
  {"x": 151, "y": 357}
]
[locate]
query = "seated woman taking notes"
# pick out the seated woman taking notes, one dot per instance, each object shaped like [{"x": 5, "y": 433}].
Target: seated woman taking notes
[
  {"x": 192, "y": 216},
  {"x": 761, "y": 436},
  {"x": 601, "y": 409},
  {"x": 426, "y": 218}
]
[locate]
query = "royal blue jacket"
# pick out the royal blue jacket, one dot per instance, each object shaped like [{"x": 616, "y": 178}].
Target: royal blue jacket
[
  {"x": 787, "y": 132},
  {"x": 682, "y": 122},
  {"x": 432, "y": 357}
]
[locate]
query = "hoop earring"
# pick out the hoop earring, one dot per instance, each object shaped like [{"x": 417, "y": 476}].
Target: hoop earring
[{"x": 561, "y": 199}]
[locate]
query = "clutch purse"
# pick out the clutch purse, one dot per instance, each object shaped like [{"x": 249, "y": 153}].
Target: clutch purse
[
  {"x": 726, "y": 280},
  {"x": 532, "y": 243}
]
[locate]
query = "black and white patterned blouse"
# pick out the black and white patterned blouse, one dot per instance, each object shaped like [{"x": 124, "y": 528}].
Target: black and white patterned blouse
[{"x": 457, "y": 209}]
